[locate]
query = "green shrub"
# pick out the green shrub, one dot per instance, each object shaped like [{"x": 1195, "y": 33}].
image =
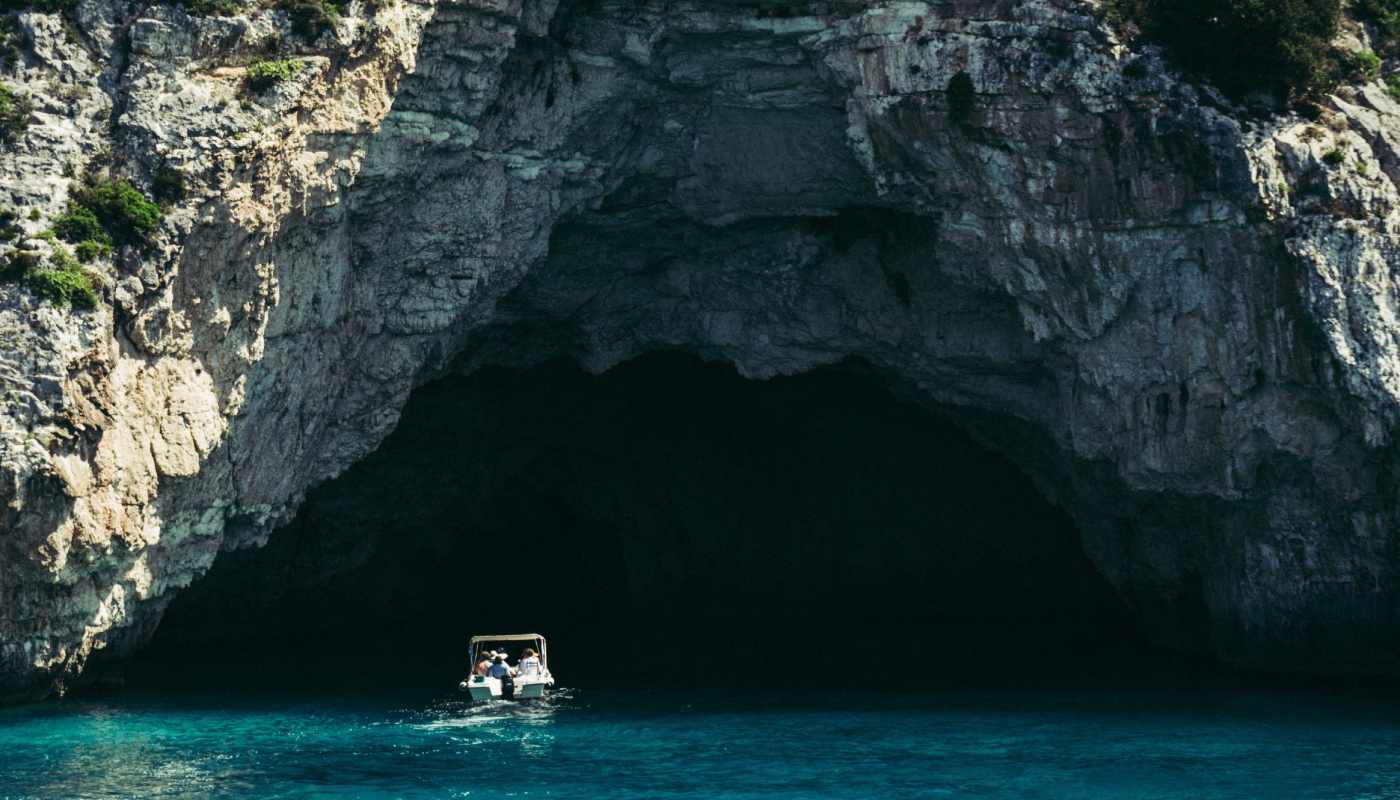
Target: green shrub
[
  {"x": 63, "y": 261},
  {"x": 35, "y": 214},
  {"x": 14, "y": 113},
  {"x": 962, "y": 98},
  {"x": 109, "y": 212},
  {"x": 63, "y": 287},
  {"x": 211, "y": 8},
  {"x": 1363, "y": 65},
  {"x": 77, "y": 224},
  {"x": 20, "y": 263},
  {"x": 1384, "y": 14},
  {"x": 63, "y": 282},
  {"x": 9, "y": 231},
  {"x": 1278, "y": 46},
  {"x": 91, "y": 249},
  {"x": 126, "y": 216},
  {"x": 12, "y": 41},
  {"x": 311, "y": 18},
  {"x": 169, "y": 185},
  {"x": 1392, "y": 86},
  {"x": 45, "y": 6},
  {"x": 262, "y": 75},
  {"x": 1334, "y": 157}
]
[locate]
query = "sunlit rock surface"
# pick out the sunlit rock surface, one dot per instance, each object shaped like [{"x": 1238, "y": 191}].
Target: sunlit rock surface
[{"x": 1180, "y": 323}]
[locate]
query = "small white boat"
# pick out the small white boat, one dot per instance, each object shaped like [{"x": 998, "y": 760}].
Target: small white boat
[{"x": 519, "y": 687}]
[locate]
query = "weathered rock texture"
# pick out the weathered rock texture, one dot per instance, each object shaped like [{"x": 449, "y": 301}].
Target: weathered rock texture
[{"x": 1181, "y": 324}]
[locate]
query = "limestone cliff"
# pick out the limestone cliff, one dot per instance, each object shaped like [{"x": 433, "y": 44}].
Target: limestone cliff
[{"x": 1179, "y": 321}]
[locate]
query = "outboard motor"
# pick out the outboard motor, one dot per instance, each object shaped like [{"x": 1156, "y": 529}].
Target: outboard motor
[{"x": 507, "y": 688}]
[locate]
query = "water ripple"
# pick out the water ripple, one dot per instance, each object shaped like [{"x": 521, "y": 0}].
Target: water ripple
[{"x": 710, "y": 745}]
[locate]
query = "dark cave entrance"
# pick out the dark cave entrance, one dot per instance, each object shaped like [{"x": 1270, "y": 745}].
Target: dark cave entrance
[{"x": 667, "y": 507}]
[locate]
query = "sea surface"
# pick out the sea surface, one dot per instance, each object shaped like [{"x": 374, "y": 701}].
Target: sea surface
[{"x": 695, "y": 743}]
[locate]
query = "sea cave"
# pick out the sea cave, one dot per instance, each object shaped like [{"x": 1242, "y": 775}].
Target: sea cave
[{"x": 673, "y": 505}]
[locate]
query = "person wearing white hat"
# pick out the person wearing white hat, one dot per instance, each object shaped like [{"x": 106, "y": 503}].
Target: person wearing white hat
[{"x": 499, "y": 667}]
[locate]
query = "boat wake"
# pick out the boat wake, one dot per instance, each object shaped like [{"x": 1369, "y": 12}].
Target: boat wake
[{"x": 466, "y": 714}]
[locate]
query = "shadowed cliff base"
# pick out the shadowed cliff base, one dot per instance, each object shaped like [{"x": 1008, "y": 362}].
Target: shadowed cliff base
[{"x": 666, "y": 512}]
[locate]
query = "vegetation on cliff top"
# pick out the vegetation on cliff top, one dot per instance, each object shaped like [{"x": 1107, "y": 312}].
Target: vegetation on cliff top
[
  {"x": 211, "y": 8},
  {"x": 1242, "y": 46},
  {"x": 44, "y": 6},
  {"x": 1384, "y": 14},
  {"x": 311, "y": 18}
]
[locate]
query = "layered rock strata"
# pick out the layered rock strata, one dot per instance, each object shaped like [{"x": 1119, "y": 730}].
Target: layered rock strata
[{"x": 1178, "y": 320}]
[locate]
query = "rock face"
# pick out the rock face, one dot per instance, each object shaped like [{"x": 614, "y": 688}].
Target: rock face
[{"x": 1179, "y": 322}]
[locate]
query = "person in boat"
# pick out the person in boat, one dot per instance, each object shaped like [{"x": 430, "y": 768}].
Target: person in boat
[
  {"x": 499, "y": 667},
  {"x": 483, "y": 663},
  {"x": 529, "y": 663}
]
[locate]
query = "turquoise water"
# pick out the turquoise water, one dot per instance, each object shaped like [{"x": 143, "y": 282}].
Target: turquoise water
[{"x": 660, "y": 744}]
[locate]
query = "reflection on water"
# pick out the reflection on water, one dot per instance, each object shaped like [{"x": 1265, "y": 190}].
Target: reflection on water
[{"x": 1042, "y": 744}]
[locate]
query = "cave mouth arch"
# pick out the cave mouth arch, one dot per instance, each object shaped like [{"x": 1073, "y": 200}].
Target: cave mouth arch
[{"x": 671, "y": 504}]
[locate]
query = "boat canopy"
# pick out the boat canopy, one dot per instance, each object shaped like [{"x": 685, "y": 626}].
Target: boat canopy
[{"x": 512, "y": 637}]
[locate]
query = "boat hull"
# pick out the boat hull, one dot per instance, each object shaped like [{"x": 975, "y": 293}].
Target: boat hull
[{"x": 490, "y": 689}]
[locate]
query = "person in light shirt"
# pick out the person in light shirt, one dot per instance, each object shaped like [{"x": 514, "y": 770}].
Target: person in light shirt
[{"x": 529, "y": 663}]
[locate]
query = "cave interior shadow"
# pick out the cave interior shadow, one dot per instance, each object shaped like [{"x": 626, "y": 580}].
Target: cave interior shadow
[{"x": 665, "y": 522}]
